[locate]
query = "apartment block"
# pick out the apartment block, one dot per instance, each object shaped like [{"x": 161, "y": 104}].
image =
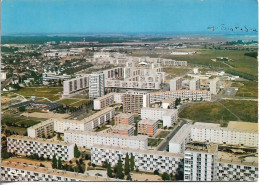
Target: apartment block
[
  {"x": 134, "y": 101},
  {"x": 76, "y": 84},
  {"x": 96, "y": 85},
  {"x": 180, "y": 139},
  {"x": 169, "y": 116},
  {"x": 243, "y": 134},
  {"x": 125, "y": 119},
  {"x": 175, "y": 83},
  {"x": 125, "y": 130},
  {"x": 147, "y": 127},
  {"x": 200, "y": 162},
  {"x": 145, "y": 160},
  {"x": 195, "y": 84},
  {"x": 41, "y": 130},
  {"x": 113, "y": 73},
  {"x": 104, "y": 101},
  {"x": 87, "y": 139},
  {"x": 132, "y": 84},
  {"x": 183, "y": 94},
  {"x": 12, "y": 171},
  {"x": 214, "y": 86},
  {"x": 170, "y": 62},
  {"x": 168, "y": 103},
  {"x": 23, "y": 145},
  {"x": 88, "y": 124}
]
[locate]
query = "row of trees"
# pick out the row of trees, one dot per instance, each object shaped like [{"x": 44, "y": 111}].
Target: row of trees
[{"x": 118, "y": 171}]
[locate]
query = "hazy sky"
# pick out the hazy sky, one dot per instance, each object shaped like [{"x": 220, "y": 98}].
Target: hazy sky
[{"x": 118, "y": 16}]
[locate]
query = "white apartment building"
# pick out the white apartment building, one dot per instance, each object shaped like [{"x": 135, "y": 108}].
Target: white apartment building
[
  {"x": 195, "y": 84},
  {"x": 180, "y": 139},
  {"x": 183, "y": 94},
  {"x": 87, "y": 124},
  {"x": 237, "y": 170},
  {"x": 89, "y": 139},
  {"x": 145, "y": 160},
  {"x": 170, "y": 62},
  {"x": 175, "y": 83},
  {"x": 104, "y": 101},
  {"x": 96, "y": 85},
  {"x": 23, "y": 145},
  {"x": 43, "y": 129},
  {"x": 54, "y": 76},
  {"x": 76, "y": 84},
  {"x": 214, "y": 86},
  {"x": 12, "y": 171},
  {"x": 169, "y": 116},
  {"x": 168, "y": 103},
  {"x": 113, "y": 73},
  {"x": 246, "y": 136},
  {"x": 132, "y": 84},
  {"x": 200, "y": 162},
  {"x": 118, "y": 97}
]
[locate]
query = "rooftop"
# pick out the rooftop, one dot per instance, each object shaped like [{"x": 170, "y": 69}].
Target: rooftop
[
  {"x": 201, "y": 147},
  {"x": 207, "y": 124},
  {"x": 122, "y": 127},
  {"x": 247, "y": 126},
  {"x": 55, "y": 172},
  {"x": 106, "y": 135},
  {"x": 169, "y": 100},
  {"x": 41, "y": 140},
  {"x": 106, "y": 96},
  {"x": 124, "y": 115},
  {"x": 147, "y": 122},
  {"x": 43, "y": 123},
  {"x": 179, "y": 91},
  {"x": 181, "y": 134}
]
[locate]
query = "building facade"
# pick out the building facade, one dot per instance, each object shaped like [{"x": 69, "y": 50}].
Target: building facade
[
  {"x": 147, "y": 127},
  {"x": 96, "y": 85}
]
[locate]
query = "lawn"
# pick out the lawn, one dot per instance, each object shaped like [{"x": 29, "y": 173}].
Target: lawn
[
  {"x": 246, "y": 89},
  {"x": 80, "y": 103},
  {"x": 241, "y": 65},
  {"x": 52, "y": 93},
  {"x": 162, "y": 134},
  {"x": 154, "y": 142},
  {"x": 176, "y": 71},
  {"x": 67, "y": 101},
  {"x": 217, "y": 112},
  {"x": 18, "y": 122}
]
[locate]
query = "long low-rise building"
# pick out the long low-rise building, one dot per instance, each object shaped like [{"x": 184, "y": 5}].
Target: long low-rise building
[
  {"x": 88, "y": 139},
  {"x": 183, "y": 94},
  {"x": 11, "y": 171},
  {"x": 246, "y": 136},
  {"x": 169, "y": 116},
  {"x": 132, "y": 84},
  {"x": 76, "y": 84},
  {"x": 104, "y": 101},
  {"x": 145, "y": 160},
  {"x": 87, "y": 124},
  {"x": 23, "y": 145},
  {"x": 41, "y": 130}
]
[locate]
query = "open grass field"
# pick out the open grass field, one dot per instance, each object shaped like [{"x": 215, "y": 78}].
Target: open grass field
[
  {"x": 241, "y": 64},
  {"x": 82, "y": 102},
  {"x": 162, "y": 134},
  {"x": 22, "y": 122},
  {"x": 67, "y": 101},
  {"x": 176, "y": 71},
  {"x": 52, "y": 93},
  {"x": 222, "y": 112},
  {"x": 246, "y": 89},
  {"x": 154, "y": 142}
]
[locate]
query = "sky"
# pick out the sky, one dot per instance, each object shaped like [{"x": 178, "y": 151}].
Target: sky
[{"x": 126, "y": 16}]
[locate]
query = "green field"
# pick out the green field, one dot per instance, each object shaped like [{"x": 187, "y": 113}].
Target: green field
[
  {"x": 154, "y": 142},
  {"x": 67, "y": 101},
  {"x": 219, "y": 112},
  {"x": 52, "y": 93},
  {"x": 240, "y": 65},
  {"x": 162, "y": 134},
  {"x": 19, "y": 122},
  {"x": 176, "y": 71},
  {"x": 80, "y": 103},
  {"x": 246, "y": 89}
]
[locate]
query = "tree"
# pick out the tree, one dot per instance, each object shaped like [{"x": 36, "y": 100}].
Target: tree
[
  {"x": 156, "y": 172},
  {"x": 119, "y": 173},
  {"x": 109, "y": 171},
  {"x": 59, "y": 163},
  {"x": 127, "y": 167},
  {"x": 54, "y": 162},
  {"x": 132, "y": 161},
  {"x": 129, "y": 177},
  {"x": 165, "y": 176},
  {"x": 76, "y": 151},
  {"x": 22, "y": 109}
]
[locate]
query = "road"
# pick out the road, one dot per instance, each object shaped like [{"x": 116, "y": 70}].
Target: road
[{"x": 164, "y": 144}]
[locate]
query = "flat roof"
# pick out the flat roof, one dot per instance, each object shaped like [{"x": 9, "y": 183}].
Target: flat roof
[
  {"x": 201, "y": 147},
  {"x": 41, "y": 124},
  {"x": 106, "y": 96},
  {"x": 124, "y": 115},
  {"x": 207, "y": 124},
  {"x": 106, "y": 135},
  {"x": 122, "y": 127},
  {"x": 147, "y": 122},
  {"x": 97, "y": 114},
  {"x": 62, "y": 173},
  {"x": 243, "y": 125},
  {"x": 179, "y": 91},
  {"x": 41, "y": 140},
  {"x": 169, "y": 100},
  {"x": 151, "y": 152},
  {"x": 181, "y": 134}
]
